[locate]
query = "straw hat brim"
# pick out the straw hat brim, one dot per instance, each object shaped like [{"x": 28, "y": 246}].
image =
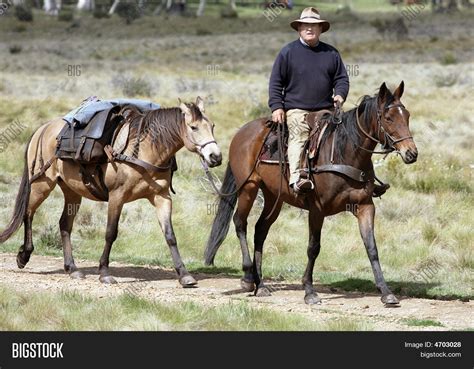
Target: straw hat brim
[{"x": 325, "y": 23}]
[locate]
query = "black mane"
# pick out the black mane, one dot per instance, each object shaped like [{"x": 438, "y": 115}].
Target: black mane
[{"x": 350, "y": 134}]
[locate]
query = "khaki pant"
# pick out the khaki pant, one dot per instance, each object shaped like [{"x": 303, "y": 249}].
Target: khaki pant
[{"x": 298, "y": 134}]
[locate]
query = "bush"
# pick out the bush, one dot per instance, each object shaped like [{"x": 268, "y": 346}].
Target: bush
[
  {"x": 49, "y": 237},
  {"x": 19, "y": 28},
  {"x": 448, "y": 59},
  {"x": 66, "y": 16},
  {"x": 128, "y": 11},
  {"x": 391, "y": 28},
  {"x": 229, "y": 12},
  {"x": 446, "y": 80},
  {"x": 100, "y": 12},
  {"x": 15, "y": 49},
  {"x": 132, "y": 87},
  {"x": 23, "y": 13}
]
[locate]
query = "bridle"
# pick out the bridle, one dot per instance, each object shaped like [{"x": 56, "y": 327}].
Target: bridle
[
  {"x": 199, "y": 146},
  {"x": 389, "y": 141}
]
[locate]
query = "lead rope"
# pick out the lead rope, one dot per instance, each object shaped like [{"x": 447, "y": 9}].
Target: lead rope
[{"x": 211, "y": 179}]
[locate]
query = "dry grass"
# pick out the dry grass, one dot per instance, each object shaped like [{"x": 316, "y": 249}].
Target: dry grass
[{"x": 75, "y": 312}]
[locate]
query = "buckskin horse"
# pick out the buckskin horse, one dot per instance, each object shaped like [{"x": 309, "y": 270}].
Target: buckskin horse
[
  {"x": 343, "y": 176},
  {"x": 158, "y": 134}
]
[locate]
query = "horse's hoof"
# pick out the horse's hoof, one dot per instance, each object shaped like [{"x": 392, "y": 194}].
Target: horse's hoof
[
  {"x": 19, "y": 262},
  {"x": 390, "y": 300},
  {"x": 247, "y": 286},
  {"x": 77, "y": 274},
  {"x": 312, "y": 299},
  {"x": 187, "y": 281},
  {"x": 263, "y": 292},
  {"x": 107, "y": 279},
  {"x": 22, "y": 260}
]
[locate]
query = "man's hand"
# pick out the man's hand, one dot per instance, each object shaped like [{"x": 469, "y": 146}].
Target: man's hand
[
  {"x": 338, "y": 98},
  {"x": 278, "y": 116}
]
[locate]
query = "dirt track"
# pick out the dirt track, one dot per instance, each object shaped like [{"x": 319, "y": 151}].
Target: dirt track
[{"x": 46, "y": 274}]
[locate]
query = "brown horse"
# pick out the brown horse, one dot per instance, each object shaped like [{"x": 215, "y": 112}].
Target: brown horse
[
  {"x": 379, "y": 119},
  {"x": 164, "y": 132}
]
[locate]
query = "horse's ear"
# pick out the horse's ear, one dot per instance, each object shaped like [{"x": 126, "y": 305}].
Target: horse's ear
[
  {"x": 184, "y": 108},
  {"x": 399, "y": 91},
  {"x": 200, "y": 103},
  {"x": 383, "y": 94}
]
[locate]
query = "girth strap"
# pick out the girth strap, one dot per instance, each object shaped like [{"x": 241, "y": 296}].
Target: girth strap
[
  {"x": 347, "y": 170},
  {"x": 147, "y": 166},
  {"x": 114, "y": 156}
]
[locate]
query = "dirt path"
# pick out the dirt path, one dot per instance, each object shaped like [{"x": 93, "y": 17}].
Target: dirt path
[{"x": 46, "y": 274}]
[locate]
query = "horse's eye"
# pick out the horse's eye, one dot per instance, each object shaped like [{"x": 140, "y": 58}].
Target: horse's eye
[
  {"x": 194, "y": 128},
  {"x": 388, "y": 119}
]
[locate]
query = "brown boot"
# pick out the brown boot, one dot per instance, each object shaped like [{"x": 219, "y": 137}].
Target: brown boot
[
  {"x": 379, "y": 190},
  {"x": 303, "y": 185}
]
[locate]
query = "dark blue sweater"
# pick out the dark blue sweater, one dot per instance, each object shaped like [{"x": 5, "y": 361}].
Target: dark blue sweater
[{"x": 306, "y": 77}]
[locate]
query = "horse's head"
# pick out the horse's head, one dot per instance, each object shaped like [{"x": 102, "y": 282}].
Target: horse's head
[
  {"x": 393, "y": 119},
  {"x": 199, "y": 132}
]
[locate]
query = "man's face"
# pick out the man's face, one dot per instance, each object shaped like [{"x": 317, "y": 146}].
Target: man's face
[{"x": 310, "y": 32}]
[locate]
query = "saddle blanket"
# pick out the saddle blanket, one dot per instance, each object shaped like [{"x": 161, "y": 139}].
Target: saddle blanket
[{"x": 82, "y": 115}]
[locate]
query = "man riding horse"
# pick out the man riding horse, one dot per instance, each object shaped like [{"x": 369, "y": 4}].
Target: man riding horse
[{"x": 308, "y": 75}]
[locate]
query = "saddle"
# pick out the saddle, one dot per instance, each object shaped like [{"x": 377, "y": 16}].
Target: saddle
[
  {"x": 85, "y": 144},
  {"x": 317, "y": 122}
]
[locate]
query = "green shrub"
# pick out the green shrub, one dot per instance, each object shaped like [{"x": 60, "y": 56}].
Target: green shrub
[
  {"x": 19, "y": 28},
  {"x": 391, "y": 28},
  {"x": 448, "y": 59},
  {"x": 50, "y": 237},
  {"x": 15, "y": 49},
  {"x": 66, "y": 16},
  {"x": 23, "y": 13},
  {"x": 100, "y": 12},
  {"x": 128, "y": 11},
  {"x": 446, "y": 80},
  {"x": 228, "y": 12},
  {"x": 132, "y": 87}
]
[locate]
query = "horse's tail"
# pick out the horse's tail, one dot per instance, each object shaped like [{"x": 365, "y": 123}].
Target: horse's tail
[
  {"x": 221, "y": 223},
  {"x": 21, "y": 202}
]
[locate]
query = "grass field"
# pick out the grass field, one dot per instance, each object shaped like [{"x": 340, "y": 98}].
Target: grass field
[
  {"x": 72, "y": 311},
  {"x": 425, "y": 218}
]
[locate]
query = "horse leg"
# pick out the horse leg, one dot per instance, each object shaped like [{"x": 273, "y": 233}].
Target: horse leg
[
  {"x": 113, "y": 217},
  {"x": 72, "y": 203},
  {"x": 314, "y": 245},
  {"x": 261, "y": 230},
  {"x": 247, "y": 196},
  {"x": 365, "y": 215},
  {"x": 163, "y": 207},
  {"x": 39, "y": 192}
]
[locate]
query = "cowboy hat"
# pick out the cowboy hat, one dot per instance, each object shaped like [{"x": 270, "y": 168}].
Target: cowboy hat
[{"x": 310, "y": 15}]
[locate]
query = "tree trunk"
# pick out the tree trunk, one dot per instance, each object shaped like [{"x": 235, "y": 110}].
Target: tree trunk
[
  {"x": 202, "y": 5},
  {"x": 87, "y": 5},
  {"x": 113, "y": 7},
  {"x": 52, "y": 6}
]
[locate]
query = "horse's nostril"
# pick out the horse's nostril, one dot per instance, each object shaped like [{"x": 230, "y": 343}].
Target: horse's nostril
[{"x": 215, "y": 158}]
